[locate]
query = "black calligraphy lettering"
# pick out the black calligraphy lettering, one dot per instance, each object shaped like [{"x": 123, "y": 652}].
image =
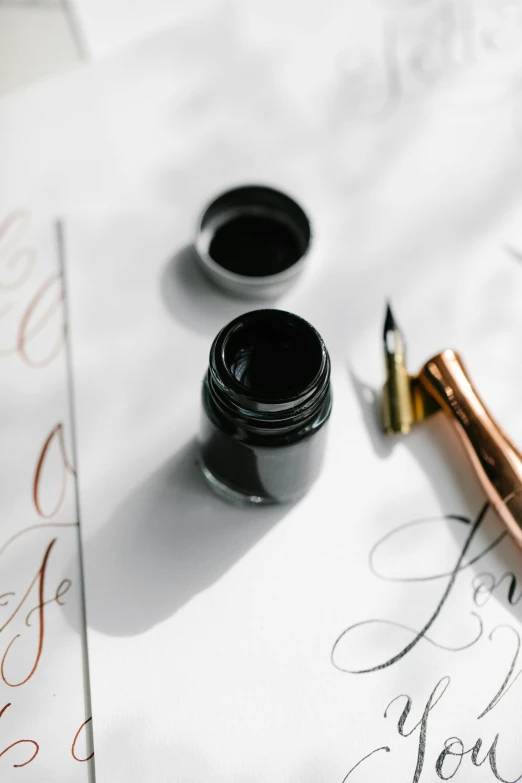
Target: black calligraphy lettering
[
  {"x": 422, "y": 633},
  {"x": 490, "y": 756},
  {"x": 448, "y": 751},
  {"x": 506, "y": 685},
  {"x": 384, "y": 747},
  {"x": 433, "y": 700}
]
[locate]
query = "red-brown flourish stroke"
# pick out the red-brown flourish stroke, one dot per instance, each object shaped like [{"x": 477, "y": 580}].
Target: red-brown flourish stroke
[
  {"x": 55, "y": 434},
  {"x": 40, "y": 526},
  {"x": 76, "y": 736},
  {"x": 35, "y": 317},
  {"x": 20, "y": 742},
  {"x": 63, "y": 588},
  {"x": 40, "y": 580},
  {"x": 29, "y": 327},
  {"x": 18, "y": 261}
]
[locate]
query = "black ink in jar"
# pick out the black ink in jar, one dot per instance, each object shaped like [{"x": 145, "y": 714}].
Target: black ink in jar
[{"x": 266, "y": 403}]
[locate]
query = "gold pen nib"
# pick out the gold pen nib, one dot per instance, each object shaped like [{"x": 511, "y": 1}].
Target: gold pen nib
[
  {"x": 397, "y": 400},
  {"x": 404, "y": 400}
]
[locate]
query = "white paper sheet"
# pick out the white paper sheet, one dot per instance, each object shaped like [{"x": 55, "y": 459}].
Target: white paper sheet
[
  {"x": 212, "y": 631},
  {"x": 45, "y": 715},
  {"x": 217, "y": 635}
]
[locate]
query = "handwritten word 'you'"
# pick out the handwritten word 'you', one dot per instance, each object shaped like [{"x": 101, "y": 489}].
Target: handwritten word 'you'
[{"x": 453, "y": 752}]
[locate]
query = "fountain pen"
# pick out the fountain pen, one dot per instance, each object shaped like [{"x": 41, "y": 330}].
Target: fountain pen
[{"x": 443, "y": 385}]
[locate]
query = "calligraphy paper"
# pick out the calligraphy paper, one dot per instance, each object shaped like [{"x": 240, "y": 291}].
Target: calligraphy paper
[
  {"x": 44, "y": 710},
  {"x": 45, "y": 723},
  {"x": 269, "y": 643}
]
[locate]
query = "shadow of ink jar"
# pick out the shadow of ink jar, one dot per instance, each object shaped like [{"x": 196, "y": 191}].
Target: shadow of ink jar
[{"x": 266, "y": 404}]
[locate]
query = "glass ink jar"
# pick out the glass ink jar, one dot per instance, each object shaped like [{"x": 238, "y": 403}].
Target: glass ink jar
[{"x": 266, "y": 403}]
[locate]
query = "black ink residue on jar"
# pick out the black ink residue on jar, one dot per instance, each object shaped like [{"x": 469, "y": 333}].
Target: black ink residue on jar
[
  {"x": 266, "y": 401},
  {"x": 255, "y": 245}
]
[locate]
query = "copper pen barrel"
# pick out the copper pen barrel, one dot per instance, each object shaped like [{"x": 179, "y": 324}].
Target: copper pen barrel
[{"x": 497, "y": 462}]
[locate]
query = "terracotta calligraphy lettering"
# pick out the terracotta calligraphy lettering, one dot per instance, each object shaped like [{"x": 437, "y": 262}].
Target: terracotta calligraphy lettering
[
  {"x": 75, "y": 740},
  {"x": 20, "y": 742},
  {"x": 56, "y": 436},
  {"x": 38, "y": 580},
  {"x": 15, "y": 260}
]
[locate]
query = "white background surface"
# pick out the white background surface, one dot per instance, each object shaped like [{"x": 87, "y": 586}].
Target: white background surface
[
  {"x": 37, "y": 38},
  {"x": 405, "y": 148},
  {"x": 107, "y": 25}
]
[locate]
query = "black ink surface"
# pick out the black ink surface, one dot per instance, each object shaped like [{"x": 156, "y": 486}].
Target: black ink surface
[
  {"x": 275, "y": 359},
  {"x": 255, "y": 245}
]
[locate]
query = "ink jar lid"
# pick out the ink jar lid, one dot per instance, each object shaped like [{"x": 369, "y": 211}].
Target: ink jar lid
[{"x": 253, "y": 241}]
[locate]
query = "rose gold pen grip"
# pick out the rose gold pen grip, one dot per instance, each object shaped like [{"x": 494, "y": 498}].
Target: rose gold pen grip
[{"x": 496, "y": 460}]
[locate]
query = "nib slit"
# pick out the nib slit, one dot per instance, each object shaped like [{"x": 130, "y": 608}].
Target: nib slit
[{"x": 390, "y": 324}]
